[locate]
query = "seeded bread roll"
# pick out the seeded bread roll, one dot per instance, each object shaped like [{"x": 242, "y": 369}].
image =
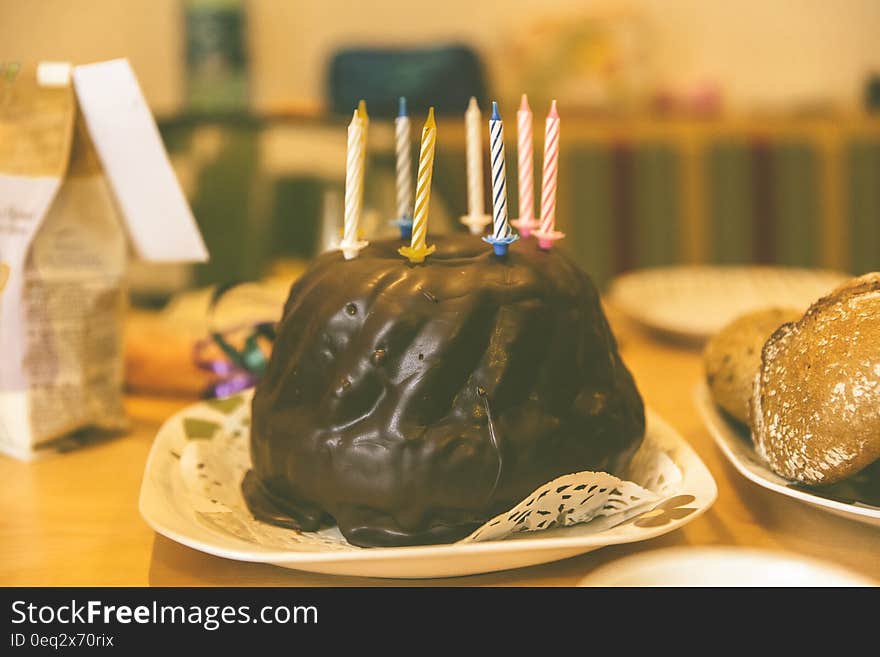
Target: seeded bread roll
[
  {"x": 733, "y": 356},
  {"x": 816, "y": 402}
]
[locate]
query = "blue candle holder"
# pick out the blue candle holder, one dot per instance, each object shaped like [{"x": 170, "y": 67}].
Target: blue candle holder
[
  {"x": 405, "y": 225},
  {"x": 500, "y": 244}
]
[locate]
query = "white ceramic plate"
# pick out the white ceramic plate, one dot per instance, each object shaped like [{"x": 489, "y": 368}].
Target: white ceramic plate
[
  {"x": 695, "y": 302},
  {"x": 739, "y": 451},
  {"x": 720, "y": 566},
  {"x": 166, "y": 506}
]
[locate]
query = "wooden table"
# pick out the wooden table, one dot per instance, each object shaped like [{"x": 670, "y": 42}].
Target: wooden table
[{"x": 73, "y": 519}]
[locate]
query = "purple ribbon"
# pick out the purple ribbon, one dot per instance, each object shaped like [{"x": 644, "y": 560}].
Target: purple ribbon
[{"x": 240, "y": 367}]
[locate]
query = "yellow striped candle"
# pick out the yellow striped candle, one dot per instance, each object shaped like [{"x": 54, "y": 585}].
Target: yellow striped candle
[{"x": 418, "y": 249}]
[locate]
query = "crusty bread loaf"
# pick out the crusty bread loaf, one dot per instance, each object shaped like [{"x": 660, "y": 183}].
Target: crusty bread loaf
[
  {"x": 732, "y": 358},
  {"x": 816, "y": 401}
]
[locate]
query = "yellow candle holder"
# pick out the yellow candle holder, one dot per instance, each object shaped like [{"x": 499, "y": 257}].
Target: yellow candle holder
[{"x": 416, "y": 254}]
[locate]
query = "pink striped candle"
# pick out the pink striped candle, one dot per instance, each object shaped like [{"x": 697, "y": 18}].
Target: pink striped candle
[
  {"x": 525, "y": 156},
  {"x": 547, "y": 233}
]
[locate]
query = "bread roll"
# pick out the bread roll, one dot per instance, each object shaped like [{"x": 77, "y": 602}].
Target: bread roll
[
  {"x": 732, "y": 358},
  {"x": 816, "y": 401}
]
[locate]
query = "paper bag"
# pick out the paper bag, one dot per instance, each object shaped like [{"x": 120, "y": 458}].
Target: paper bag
[{"x": 68, "y": 204}]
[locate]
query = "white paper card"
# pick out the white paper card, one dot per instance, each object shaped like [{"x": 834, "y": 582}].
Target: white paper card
[{"x": 160, "y": 222}]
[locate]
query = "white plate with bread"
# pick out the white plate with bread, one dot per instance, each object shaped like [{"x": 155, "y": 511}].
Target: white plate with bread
[
  {"x": 793, "y": 399},
  {"x": 734, "y": 442}
]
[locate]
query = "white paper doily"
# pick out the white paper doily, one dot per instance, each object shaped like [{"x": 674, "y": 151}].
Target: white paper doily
[
  {"x": 216, "y": 458},
  {"x": 190, "y": 494}
]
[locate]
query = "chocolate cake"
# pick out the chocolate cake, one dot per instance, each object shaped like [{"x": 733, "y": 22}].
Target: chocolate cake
[{"x": 410, "y": 403}]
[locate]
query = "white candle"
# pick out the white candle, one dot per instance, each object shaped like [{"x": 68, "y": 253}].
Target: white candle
[
  {"x": 476, "y": 219},
  {"x": 354, "y": 180},
  {"x": 365, "y": 124},
  {"x": 473, "y": 125}
]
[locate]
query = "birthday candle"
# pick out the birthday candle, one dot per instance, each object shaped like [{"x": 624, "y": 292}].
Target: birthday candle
[
  {"x": 525, "y": 155},
  {"x": 502, "y": 233},
  {"x": 547, "y": 232},
  {"x": 417, "y": 250},
  {"x": 354, "y": 180},
  {"x": 476, "y": 218},
  {"x": 404, "y": 165},
  {"x": 473, "y": 125},
  {"x": 365, "y": 124}
]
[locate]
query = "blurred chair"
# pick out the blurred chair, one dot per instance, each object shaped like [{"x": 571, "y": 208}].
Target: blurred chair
[{"x": 445, "y": 77}]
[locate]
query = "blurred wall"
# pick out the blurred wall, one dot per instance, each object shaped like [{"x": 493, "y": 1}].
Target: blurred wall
[
  {"x": 766, "y": 53},
  {"x": 148, "y": 32}
]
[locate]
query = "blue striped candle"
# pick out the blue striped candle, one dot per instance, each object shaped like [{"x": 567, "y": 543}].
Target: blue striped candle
[
  {"x": 502, "y": 234},
  {"x": 403, "y": 152}
]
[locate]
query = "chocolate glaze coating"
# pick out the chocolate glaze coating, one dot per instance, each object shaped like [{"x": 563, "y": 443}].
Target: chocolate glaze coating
[{"x": 411, "y": 403}]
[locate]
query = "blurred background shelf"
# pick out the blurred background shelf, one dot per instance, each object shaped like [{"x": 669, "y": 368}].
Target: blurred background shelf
[{"x": 633, "y": 192}]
